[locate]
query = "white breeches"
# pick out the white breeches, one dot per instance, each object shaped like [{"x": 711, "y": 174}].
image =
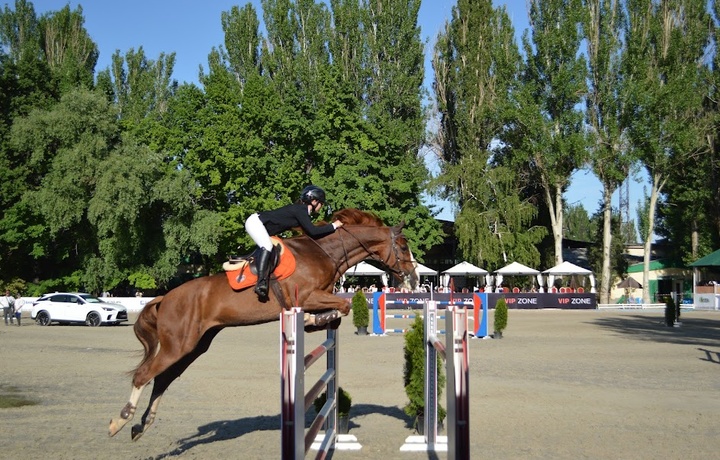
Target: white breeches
[{"x": 257, "y": 231}]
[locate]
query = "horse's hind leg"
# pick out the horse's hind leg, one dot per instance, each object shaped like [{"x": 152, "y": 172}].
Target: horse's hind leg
[
  {"x": 149, "y": 416},
  {"x": 127, "y": 412},
  {"x": 164, "y": 379}
]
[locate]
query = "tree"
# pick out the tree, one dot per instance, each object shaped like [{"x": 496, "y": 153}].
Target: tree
[
  {"x": 610, "y": 157},
  {"x": 667, "y": 44},
  {"x": 548, "y": 135},
  {"x": 104, "y": 207},
  {"x": 70, "y": 52},
  {"x": 476, "y": 65},
  {"x": 577, "y": 223}
]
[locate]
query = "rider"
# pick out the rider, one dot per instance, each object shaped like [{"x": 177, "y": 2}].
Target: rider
[{"x": 261, "y": 225}]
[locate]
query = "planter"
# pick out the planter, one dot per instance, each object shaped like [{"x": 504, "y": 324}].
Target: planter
[
  {"x": 497, "y": 335},
  {"x": 361, "y": 330},
  {"x": 342, "y": 424},
  {"x": 420, "y": 425}
]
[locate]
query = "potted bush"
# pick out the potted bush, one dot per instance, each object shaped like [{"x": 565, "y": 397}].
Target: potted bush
[
  {"x": 344, "y": 403},
  {"x": 361, "y": 316},
  {"x": 671, "y": 312},
  {"x": 500, "y": 319},
  {"x": 414, "y": 375}
]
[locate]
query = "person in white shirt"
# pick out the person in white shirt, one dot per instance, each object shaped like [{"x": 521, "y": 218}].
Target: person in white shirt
[
  {"x": 19, "y": 303},
  {"x": 8, "y": 305}
]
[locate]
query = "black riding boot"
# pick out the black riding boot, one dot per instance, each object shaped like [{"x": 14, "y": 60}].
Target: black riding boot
[{"x": 263, "y": 272}]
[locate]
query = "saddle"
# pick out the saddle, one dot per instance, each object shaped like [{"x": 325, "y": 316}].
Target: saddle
[{"x": 242, "y": 271}]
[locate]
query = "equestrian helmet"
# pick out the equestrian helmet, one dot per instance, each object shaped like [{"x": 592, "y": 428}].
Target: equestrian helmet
[{"x": 312, "y": 192}]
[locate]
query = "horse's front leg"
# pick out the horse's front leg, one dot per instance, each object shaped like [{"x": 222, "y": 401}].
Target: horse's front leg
[
  {"x": 319, "y": 300},
  {"x": 127, "y": 412},
  {"x": 330, "y": 308}
]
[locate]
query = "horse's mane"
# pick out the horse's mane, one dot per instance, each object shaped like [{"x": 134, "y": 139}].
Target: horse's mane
[{"x": 352, "y": 216}]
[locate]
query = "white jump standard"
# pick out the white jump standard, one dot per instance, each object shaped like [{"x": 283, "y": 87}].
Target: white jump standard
[
  {"x": 294, "y": 401},
  {"x": 455, "y": 354}
]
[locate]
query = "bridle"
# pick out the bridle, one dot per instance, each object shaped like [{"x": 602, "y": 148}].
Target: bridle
[{"x": 394, "y": 251}]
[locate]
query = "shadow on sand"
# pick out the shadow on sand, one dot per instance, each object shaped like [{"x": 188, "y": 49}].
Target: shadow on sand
[
  {"x": 233, "y": 429},
  {"x": 701, "y": 332}
]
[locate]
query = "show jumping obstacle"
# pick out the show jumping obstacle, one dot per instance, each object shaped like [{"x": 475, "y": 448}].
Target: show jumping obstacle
[
  {"x": 295, "y": 403},
  {"x": 456, "y": 357},
  {"x": 381, "y": 301}
]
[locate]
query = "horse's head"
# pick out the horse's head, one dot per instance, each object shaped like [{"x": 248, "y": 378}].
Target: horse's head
[
  {"x": 394, "y": 252},
  {"x": 404, "y": 266}
]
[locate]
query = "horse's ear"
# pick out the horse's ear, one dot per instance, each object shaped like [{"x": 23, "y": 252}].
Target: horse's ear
[{"x": 399, "y": 226}]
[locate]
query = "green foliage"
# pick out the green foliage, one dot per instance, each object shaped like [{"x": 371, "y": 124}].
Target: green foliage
[
  {"x": 414, "y": 371},
  {"x": 142, "y": 280},
  {"x": 501, "y": 315},
  {"x": 16, "y": 286},
  {"x": 670, "y": 313},
  {"x": 578, "y": 225},
  {"x": 344, "y": 402},
  {"x": 361, "y": 315}
]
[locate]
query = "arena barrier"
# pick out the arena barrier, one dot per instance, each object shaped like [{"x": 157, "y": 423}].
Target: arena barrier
[
  {"x": 382, "y": 300},
  {"x": 455, "y": 353},
  {"x": 295, "y": 403}
]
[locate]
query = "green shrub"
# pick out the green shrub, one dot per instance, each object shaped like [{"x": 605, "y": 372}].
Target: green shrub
[
  {"x": 361, "y": 316},
  {"x": 414, "y": 371},
  {"x": 344, "y": 402},
  {"x": 501, "y": 315},
  {"x": 670, "y": 313}
]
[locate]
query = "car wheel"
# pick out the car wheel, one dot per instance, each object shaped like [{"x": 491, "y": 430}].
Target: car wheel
[
  {"x": 93, "y": 319},
  {"x": 43, "y": 318}
]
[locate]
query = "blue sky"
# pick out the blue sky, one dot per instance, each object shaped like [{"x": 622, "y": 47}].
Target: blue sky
[{"x": 190, "y": 28}]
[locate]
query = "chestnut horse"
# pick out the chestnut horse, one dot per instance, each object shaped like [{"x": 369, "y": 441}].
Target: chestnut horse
[{"x": 177, "y": 328}]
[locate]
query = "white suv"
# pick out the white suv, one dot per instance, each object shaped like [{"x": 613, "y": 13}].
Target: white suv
[{"x": 65, "y": 307}]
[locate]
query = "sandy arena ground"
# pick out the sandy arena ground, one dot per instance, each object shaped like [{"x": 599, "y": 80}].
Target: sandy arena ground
[{"x": 559, "y": 385}]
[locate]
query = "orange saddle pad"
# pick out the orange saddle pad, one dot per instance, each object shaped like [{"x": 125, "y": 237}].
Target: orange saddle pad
[{"x": 240, "y": 277}]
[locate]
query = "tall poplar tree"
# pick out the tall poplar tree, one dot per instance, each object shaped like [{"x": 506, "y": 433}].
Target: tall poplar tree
[
  {"x": 549, "y": 133},
  {"x": 610, "y": 154},
  {"x": 476, "y": 65},
  {"x": 667, "y": 42}
]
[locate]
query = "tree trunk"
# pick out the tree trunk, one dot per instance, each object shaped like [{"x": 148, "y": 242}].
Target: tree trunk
[
  {"x": 657, "y": 185},
  {"x": 605, "y": 280},
  {"x": 555, "y": 209}
]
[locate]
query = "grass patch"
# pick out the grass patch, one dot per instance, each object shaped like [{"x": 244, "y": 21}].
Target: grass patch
[{"x": 12, "y": 397}]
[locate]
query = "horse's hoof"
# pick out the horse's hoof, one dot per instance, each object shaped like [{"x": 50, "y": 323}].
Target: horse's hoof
[
  {"x": 114, "y": 428},
  {"x": 136, "y": 432}
]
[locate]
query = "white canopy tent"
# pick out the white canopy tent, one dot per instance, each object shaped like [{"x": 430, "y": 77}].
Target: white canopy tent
[
  {"x": 516, "y": 269},
  {"x": 567, "y": 269},
  {"x": 462, "y": 269},
  {"x": 365, "y": 269},
  {"x": 422, "y": 270},
  {"x": 425, "y": 271}
]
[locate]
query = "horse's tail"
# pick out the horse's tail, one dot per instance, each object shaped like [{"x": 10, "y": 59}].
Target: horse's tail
[{"x": 146, "y": 330}]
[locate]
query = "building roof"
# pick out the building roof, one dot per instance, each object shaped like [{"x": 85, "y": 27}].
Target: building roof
[
  {"x": 710, "y": 260},
  {"x": 657, "y": 264}
]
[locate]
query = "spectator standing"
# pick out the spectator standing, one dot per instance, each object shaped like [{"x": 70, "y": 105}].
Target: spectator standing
[
  {"x": 19, "y": 304},
  {"x": 8, "y": 304}
]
